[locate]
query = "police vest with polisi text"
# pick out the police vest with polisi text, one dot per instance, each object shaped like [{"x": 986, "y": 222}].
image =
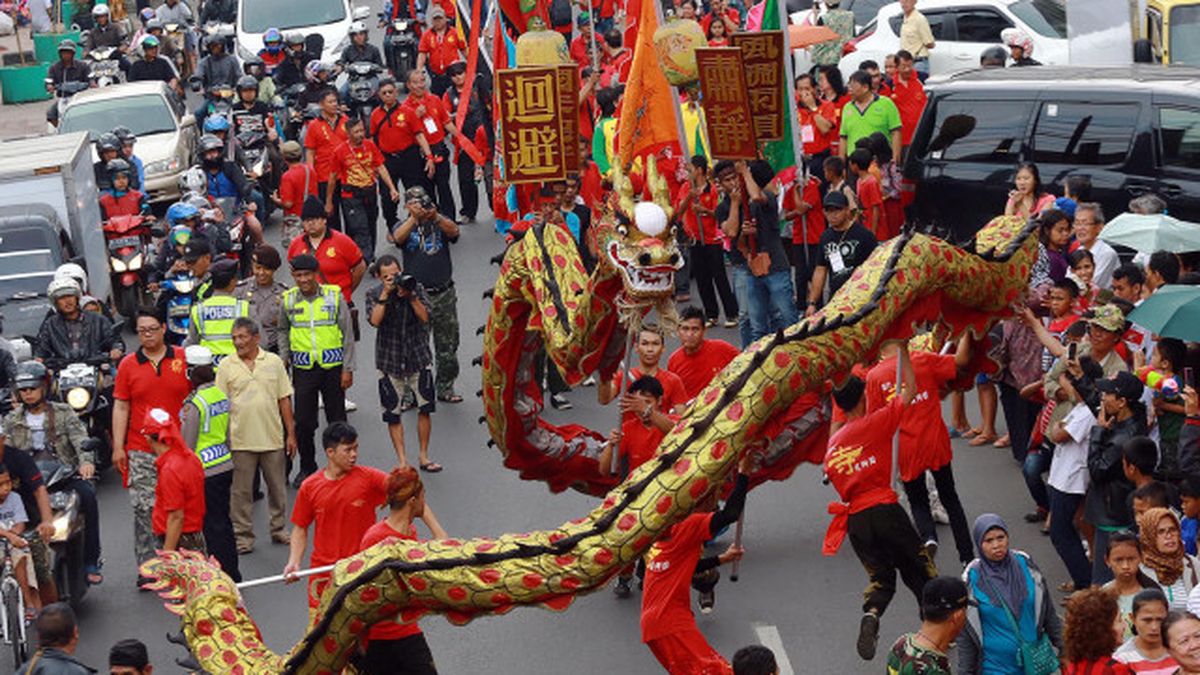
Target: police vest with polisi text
[
  {"x": 214, "y": 317},
  {"x": 212, "y": 443},
  {"x": 315, "y": 338}
]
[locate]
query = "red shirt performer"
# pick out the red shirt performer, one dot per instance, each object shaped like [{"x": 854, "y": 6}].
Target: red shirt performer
[
  {"x": 698, "y": 359},
  {"x": 178, "y": 518},
  {"x": 394, "y": 646},
  {"x": 341, "y": 500},
  {"x": 649, "y": 350},
  {"x": 859, "y": 465},
  {"x": 322, "y": 137}
]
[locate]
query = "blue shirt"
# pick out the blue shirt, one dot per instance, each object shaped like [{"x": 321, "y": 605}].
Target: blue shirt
[
  {"x": 141, "y": 172},
  {"x": 1189, "y": 528},
  {"x": 999, "y": 643},
  {"x": 220, "y": 185},
  {"x": 569, "y": 218}
]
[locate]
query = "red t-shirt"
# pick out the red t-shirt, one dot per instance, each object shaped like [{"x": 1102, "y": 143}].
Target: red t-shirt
[
  {"x": 344, "y": 509},
  {"x": 390, "y": 129},
  {"x": 701, "y": 228},
  {"x": 581, "y": 51},
  {"x": 433, "y": 123},
  {"x": 639, "y": 441},
  {"x": 674, "y": 393},
  {"x": 146, "y": 387},
  {"x": 337, "y": 255},
  {"x": 859, "y": 460},
  {"x": 393, "y": 629},
  {"x": 730, "y": 12},
  {"x": 180, "y": 486},
  {"x": 291, "y": 187},
  {"x": 323, "y": 139},
  {"x": 808, "y": 226},
  {"x": 924, "y": 440},
  {"x": 357, "y": 165},
  {"x": 697, "y": 370},
  {"x": 615, "y": 70},
  {"x": 814, "y": 141},
  {"x": 441, "y": 49},
  {"x": 871, "y": 197},
  {"x": 910, "y": 102},
  {"x": 670, "y": 563}
]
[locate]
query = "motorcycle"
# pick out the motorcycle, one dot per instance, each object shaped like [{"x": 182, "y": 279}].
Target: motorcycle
[
  {"x": 80, "y": 385},
  {"x": 63, "y": 92},
  {"x": 105, "y": 66},
  {"x": 179, "y": 307},
  {"x": 129, "y": 244},
  {"x": 66, "y": 544},
  {"x": 231, "y": 220},
  {"x": 400, "y": 43},
  {"x": 290, "y": 114},
  {"x": 252, "y": 139},
  {"x": 362, "y": 89},
  {"x": 177, "y": 34}
]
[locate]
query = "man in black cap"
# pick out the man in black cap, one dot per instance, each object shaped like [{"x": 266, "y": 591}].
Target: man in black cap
[
  {"x": 944, "y": 605},
  {"x": 317, "y": 340},
  {"x": 212, "y": 318},
  {"x": 843, "y": 247},
  {"x": 1122, "y": 417}
]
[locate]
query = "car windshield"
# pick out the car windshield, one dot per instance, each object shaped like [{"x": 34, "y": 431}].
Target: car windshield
[
  {"x": 259, "y": 15},
  {"x": 1046, "y": 17},
  {"x": 144, "y": 115},
  {"x": 1185, "y": 35}
]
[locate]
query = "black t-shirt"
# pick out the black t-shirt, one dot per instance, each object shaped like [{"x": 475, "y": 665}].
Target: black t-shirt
[
  {"x": 767, "y": 238},
  {"x": 160, "y": 69},
  {"x": 253, "y": 118},
  {"x": 26, "y": 480},
  {"x": 853, "y": 245},
  {"x": 427, "y": 255}
]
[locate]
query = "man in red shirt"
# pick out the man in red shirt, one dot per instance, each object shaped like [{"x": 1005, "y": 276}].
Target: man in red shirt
[
  {"x": 924, "y": 439},
  {"x": 668, "y": 625},
  {"x": 322, "y": 137},
  {"x": 649, "y": 350},
  {"x": 640, "y": 434},
  {"x": 581, "y": 46},
  {"x": 297, "y": 183},
  {"x": 697, "y": 200},
  {"x": 818, "y": 123},
  {"x": 909, "y": 96},
  {"x": 698, "y": 359},
  {"x": 394, "y": 646},
  {"x": 356, "y": 164},
  {"x": 859, "y": 465},
  {"x": 439, "y": 47},
  {"x": 341, "y": 500},
  {"x": 615, "y": 60},
  {"x": 155, "y": 376},
  {"x": 340, "y": 258},
  {"x": 178, "y": 518},
  {"x": 430, "y": 123},
  {"x": 401, "y": 154},
  {"x": 870, "y": 196}
]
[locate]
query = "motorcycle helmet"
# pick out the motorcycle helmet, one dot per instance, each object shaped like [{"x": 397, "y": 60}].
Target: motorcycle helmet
[
  {"x": 147, "y": 15},
  {"x": 294, "y": 39},
  {"x": 180, "y": 211},
  {"x": 123, "y": 133},
  {"x": 107, "y": 141},
  {"x": 193, "y": 181},
  {"x": 149, "y": 42},
  {"x": 245, "y": 82},
  {"x": 253, "y": 67},
  {"x": 357, "y": 27},
  {"x": 1015, "y": 37},
  {"x": 117, "y": 166},
  {"x": 209, "y": 142},
  {"x": 61, "y": 288},
  {"x": 273, "y": 40},
  {"x": 313, "y": 70},
  {"x": 68, "y": 46},
  {"x": 215, "y": 123},
  {"x": 211, "y": 40},
  {"x": 99, "y": 11},
  {"x": 30, "y": 374},
  {"x": 153, "y": 25},
  {"x": 180, "y": 234},
  {"x": 72, "y": 271}
]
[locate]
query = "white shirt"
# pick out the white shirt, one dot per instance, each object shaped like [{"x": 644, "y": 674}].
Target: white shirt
[
  {"x": 12, "y": 511},
  {"x": 37, "y": 429},
  {"x": 1106, "y": 261},
  {"x": 1068, "y": 470}
]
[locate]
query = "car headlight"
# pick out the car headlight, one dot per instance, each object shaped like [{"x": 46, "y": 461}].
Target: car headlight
[
  {"x": 135, "y": 263},
  {"x": 78, "y": 398},
  {"x": 163, "y": 166},
  {"x": 118, "y": 265}
]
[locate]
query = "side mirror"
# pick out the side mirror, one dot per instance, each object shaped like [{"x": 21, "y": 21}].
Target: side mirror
[
  {"x": 189, "y": 120},
  {"x": 359, "y": 12},
  {"x": 1143, "y": 51}
]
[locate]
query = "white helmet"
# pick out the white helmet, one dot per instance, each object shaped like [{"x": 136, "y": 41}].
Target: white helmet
[
  {"x": 358, "y": 27},
  {"x": 60, "y": 288},
  {"x": 194, "y": 181},
  {"x": 72, "y": 271},
  {"x": 100, "y": 10}
]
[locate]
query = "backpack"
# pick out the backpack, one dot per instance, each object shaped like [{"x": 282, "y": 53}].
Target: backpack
[{"x": 560, "y": 13}]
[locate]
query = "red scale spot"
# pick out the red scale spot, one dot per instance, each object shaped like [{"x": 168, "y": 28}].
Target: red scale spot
[
  {"x": 643, "y": 542},
  {"x": 417, "y": 584},
  {"x": 489, "y": 576},
  {"x": 681, "y": 467},
  {"x": 560, "y": 262},
  {"x": 500, "y": 599},
  {"x": 603, "y": 557},
  {"x": 948, "y": 255},
  {"x": 229, "y": 657},
  {"x": 531, "y": 580},
  {"x": 720, "y": 447},
  {"x": 562, "y": 239},
  {"x": 415, "y": 554},
  {"x": 900, "y": 276},
  {"x": 735, "y": 411},
  {"x": 782, "y": 359},
  {"x": 569, "y": 583},
  {"x": 356, "y": 626},
  {"x": 663, "y": 504},
  {"x": 457, "y": 593},
  {"x": 915, "y": 248},
  {"x": 329, "y": 644},
  {"x": 608, "y": 503},
  {"x": 564, "y": 560},
  {"x": 711, "y": 395},
  {"x": 228, "y": 615},
  {"x": 794, "y": 381},
  {"x": 228, "y": 637},
  {"x": 627, "y": 522},
  {"x": 557, "y": 537},
  {"x": 550, "y": 312},
  {"x": 838, "y": 339},
  {"x": 369, "y": 594},
  {"x": 410, "y": 615},
  {"x": 451, "y": 542},
  {"x": 205, "y": 651},
  {"x": 354, "y": 566},
  {"x": 769, "y": 394},
  {"x": 559, "y": 602},
  {"x": 698, "y": 488},
  {"x": 204, "y": 627}
]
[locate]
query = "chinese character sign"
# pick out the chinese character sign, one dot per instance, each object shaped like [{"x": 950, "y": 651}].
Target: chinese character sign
[
  {"x": 726, "y": 106},
  {"x": 568, "y": 101},
  {"x": 763, "y": 55},
  {"x": 539, "y": 129}
]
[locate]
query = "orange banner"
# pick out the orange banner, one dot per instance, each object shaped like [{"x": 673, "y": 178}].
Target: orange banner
[
  {"x": 762, "y": 55},
  {"x": 536, "y": 125},
  {"x": 726, "y": 105}
]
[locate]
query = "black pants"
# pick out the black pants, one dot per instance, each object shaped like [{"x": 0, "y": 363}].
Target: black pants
[
  {"x": 1020, "y": 415},
  {"x": 441, "y": 192},
  {"x": 468, "y": 191},
  {"x": 218, "y": 528},
  {"x": 885, "y": 542},
  {"x": 406, "y": 656},
  {"x": 359, "y": 212},
  {"x": 708, "y": 269},
  {"x": 438, "y": 84},
  {"x": 805, "y": 258},
  {"x": 307, "y": 385},
  {"x": 918, "y": 501},
  {"x": 405, "y": 169},
  {"x": 546, "y": 371},
  {"x": 91, "y": 519},
  {"x": 334, "y": 221}
]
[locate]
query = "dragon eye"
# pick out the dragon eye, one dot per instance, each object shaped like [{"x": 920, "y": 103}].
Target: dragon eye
[
  {"x": 623, "y": 230},
  {"x": 674, "y": 231}
]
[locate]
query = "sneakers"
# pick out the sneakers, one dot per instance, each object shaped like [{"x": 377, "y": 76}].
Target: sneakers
[
  {"x": 868, "y": 636},
  {"x": 622, "y": 589},
  {"x": 351, "y": 406},
  {"x": 939, "y": 514},
  {"x": 931, "y": 548},
  {"x": 706, "y": 601},
  {"x": 590, "y": 381},
  {"x": 731, "y": 323},
  {"x": 280, "y": 538},
  {"x": 560, "y": 402}
]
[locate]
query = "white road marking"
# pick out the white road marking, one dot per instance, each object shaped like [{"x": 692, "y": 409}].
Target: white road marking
[{"x": 768, "y": 636}]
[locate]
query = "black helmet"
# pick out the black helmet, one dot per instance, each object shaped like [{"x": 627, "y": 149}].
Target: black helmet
[
  {"x": 108, "y": 141},
  {"x": 117, "y": 166},
  {"x": 251, "y": 62},
  {"x": 30, "y": 374},
  {"x": 247, "y": 82},
  {"x": 124, "y": 134},
  {"x": 210, "y": 142}
]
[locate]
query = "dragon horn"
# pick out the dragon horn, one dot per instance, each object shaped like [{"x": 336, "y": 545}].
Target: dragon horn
[
  {"x": 660, "y": 192},
  {"x": 624, "y": 190}
]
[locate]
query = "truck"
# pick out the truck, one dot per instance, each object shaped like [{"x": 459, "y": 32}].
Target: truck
[{"x": 51, "y": 215}]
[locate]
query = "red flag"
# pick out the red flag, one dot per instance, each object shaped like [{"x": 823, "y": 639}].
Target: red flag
[
  {"x": 647, "y": 119},
  {"x": 464, "y": 102},
  {"x": 519, "y": 12}
]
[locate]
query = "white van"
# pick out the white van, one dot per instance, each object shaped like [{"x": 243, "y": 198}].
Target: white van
[{"x": 330, "y": 18}]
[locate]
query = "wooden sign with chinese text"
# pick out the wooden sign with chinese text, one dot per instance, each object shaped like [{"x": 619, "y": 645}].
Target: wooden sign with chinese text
[
  {"x": 762, "y": 54},
  {"x": 726, "y": 106},
  {"x": 539, "y": 118}
]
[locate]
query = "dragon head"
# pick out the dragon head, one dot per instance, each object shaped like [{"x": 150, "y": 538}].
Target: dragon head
[{"x": 637, "y": 240}]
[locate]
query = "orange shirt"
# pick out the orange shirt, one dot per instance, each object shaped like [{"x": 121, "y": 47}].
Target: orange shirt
[
  {"x": 697, "y": 370},
  {"x": 323, "y": 139},
  {"x": 356, "y": 166},
  {"x": 674, "y": 392},
  {"x": 336, "y": 254},
  {"x": 441, "y": 49}
]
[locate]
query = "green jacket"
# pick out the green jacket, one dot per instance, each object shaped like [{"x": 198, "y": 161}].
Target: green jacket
[{"x": 65, "y": 433}]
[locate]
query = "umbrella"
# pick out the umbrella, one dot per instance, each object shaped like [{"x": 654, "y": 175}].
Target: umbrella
[
  {"x": 807, "y": 36},
  {"x": 1172, "y": 311},
  {"x": 1154, "y": 232}
]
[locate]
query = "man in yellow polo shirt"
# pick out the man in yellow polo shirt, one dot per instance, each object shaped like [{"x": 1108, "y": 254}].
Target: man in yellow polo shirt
[{"x": 867, "y": 113}]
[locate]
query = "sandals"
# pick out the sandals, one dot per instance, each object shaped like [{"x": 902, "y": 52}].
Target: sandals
[
  {"x": 981, "y": 439},
  {"x": 431, "y": 467},
  {"x": 1002, "y": 442},
  {"x": 94, "y": 577},
  {"x": 450, "y": 398}
]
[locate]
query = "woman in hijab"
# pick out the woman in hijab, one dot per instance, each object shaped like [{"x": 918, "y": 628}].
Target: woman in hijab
[
  {"x": 1007, "y": 591},
  {"x": 1164, "y": 560}
]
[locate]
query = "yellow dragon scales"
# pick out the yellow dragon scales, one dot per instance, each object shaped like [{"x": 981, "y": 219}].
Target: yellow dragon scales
[{"x": 911, "y": 280}]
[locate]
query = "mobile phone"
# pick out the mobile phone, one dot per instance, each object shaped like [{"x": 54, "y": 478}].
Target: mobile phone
[
  {"x": 1071, "y": 349},
  {"x": 1189, "y": 378}
]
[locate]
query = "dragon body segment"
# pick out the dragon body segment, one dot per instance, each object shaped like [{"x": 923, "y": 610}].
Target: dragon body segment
[{"x": 911, "y": 280}]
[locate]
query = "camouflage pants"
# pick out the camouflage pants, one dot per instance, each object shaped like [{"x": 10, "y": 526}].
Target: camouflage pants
[
  {"x": 188, "y": 541},
  {"x": 143, "y": 478},
  {"x": 444, "y": 324}
]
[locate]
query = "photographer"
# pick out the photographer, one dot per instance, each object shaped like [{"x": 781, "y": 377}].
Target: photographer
[
  {"x": 400, "y": 310},
  {"x": 424, "y": 238}
]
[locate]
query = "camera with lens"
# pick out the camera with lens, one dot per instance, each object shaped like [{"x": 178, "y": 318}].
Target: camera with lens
[{"x": 408, "y": 282}]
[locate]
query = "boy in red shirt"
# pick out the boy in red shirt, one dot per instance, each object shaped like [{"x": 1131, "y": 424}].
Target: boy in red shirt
[
  {"x": 392, "y": 645},
  {"x": 178, "y": 518},
  {"x": 649, "y": 350},
  {"x": 641, "y": 432},
  {"x": 859, "y": 465},
  {"x": 341, "y": 500},
  {"x": 668, "y": 625},
  {"x": 698, "y": 359},
  {"x": 870, "y": 195}
]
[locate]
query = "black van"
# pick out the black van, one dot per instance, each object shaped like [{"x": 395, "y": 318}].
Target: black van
[{"x": 1130, "y": 129}]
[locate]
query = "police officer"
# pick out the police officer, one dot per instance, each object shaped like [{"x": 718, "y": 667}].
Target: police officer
[
  {"x": 317, "y": 340},
  {"x": 205, "y": 418},
  {"x": 211, "y": 326}
]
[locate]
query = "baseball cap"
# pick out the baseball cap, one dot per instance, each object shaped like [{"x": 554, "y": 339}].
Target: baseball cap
[
  {"x": 196, "y": 248},
  {"x": 436, "y": 11},
  {"x": 1109, "y": 317},
  {"x": 1124, "y": 384},
  {"x": 584, "y": 19},
  {"x": 944, "y": 594},
  {"x": 837, "y": 200},
  {"x": 291, "y": 149}
]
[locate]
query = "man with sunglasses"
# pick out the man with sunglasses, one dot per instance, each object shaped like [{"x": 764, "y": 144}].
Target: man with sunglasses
[{"x": 843, "y": 247}]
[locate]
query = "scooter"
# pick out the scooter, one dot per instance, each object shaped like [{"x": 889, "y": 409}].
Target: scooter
[
  {"x": 232, "y": 220},
  {"x": 179, "y": 306},
  {"x": 80, "y": 385},
  {"x": 362, "y": 89},
  {"x": 105, "y": 66},
  {"x": 252, "y": 139},
  {"x": 66, "y": 545},
  {"x": 290, "y": 115},
  {"x": 400, "y": 43},
  {"x": 129, "y": 239},
  {"x": 177, "y": 33}
]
